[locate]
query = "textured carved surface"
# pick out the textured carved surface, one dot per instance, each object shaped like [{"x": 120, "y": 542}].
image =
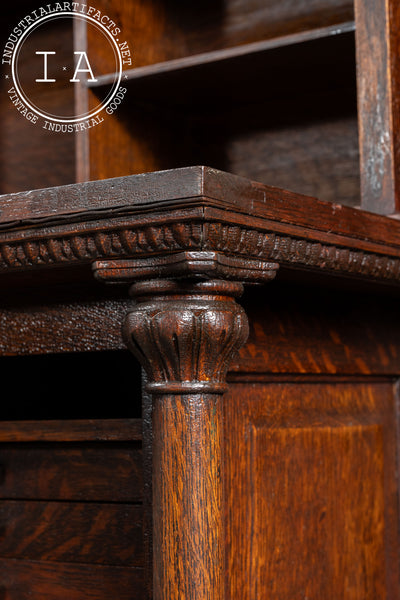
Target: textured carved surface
[
  {"x": 290, "y": 250},
  {"x": 190, "y": 210},
  {"x": 66, "y": 248},
  {"x": 186, "y": 335},
  {"x": 202, "y": 264}
]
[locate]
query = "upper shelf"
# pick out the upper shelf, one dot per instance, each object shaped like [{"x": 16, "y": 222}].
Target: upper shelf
[
  {"x": 225, "y": 54},
  {"x": 288, "y": 69}
]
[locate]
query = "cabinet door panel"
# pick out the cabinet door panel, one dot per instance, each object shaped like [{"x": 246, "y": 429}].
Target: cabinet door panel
[{"x": 311, "y": 488}]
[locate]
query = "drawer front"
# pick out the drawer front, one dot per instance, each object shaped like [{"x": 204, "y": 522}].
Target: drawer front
[
  {"x": 85, "y": 472},
  {"x": 38, "y": 580},
  {"x": 72, "y": 532}
]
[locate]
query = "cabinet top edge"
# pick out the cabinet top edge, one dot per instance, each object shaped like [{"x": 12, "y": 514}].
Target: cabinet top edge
[
  {"x": 193, "y": 209},
  {"x": 193, "y": 186}
]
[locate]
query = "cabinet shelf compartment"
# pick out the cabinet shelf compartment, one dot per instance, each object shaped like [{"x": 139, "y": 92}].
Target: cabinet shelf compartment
[{"x": 284, "y": 114}]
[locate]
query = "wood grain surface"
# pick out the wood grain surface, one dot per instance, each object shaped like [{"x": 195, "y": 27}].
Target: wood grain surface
[
  {"x": 311, "y": 144},
  {"x": 169, "y": 31},
  {"x": 30, "y": 156},
  {"x": 185, "y": 335},
  {"x": 331, "y": 330},
  {"x": 68, "y": 472},
  {"x": 311, "y": 491},
  {"x": 93, "y": 430},
  {"x": 36, "y": 580},
  {"x": 378, "y": 77},
  {"x": 334, "y": 330},
  {"x": 187, "y": 498},
  {"x": 75, "y": 532}
]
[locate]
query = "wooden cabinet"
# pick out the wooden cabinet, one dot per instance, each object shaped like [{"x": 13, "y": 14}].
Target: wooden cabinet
[{"x": 248, "y": 449}]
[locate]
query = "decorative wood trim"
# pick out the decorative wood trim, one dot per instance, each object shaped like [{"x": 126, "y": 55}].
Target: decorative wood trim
[
  {"x": 186, "y": 264},
  {"x": 185, "y": 334},
  {"x": 193, "y": 210},
  {"x": 230, "y": 239}
]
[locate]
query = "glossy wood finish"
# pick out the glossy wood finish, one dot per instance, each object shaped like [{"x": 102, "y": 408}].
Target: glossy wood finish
[{"x": 377, "y": 37}]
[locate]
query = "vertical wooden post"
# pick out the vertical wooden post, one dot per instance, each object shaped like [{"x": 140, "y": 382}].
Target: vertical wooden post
[
  {"x": 378, "y": 87},
  {"x": 185, "y": 335},
  {"x": 185, "y": 328}
]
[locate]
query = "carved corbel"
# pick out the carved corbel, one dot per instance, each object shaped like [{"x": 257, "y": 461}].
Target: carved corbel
[{"x": 185, "y": 328}]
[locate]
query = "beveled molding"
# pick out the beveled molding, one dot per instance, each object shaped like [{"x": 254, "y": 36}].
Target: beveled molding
[
  {"x": 192, "y": 265},
  {"x": 191, "y": 210}
]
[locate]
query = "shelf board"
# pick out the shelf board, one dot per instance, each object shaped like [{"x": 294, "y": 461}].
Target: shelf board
[
  {"x": 189, "y": 62},
  {"x": 286, "y": 76},
  {"x": 83, "y": 430}
]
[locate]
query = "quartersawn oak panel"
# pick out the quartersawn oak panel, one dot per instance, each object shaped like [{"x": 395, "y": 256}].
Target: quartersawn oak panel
[
  {"x": 110, "y": 473},
  {"x": 305, "y": 329},
  {"x": 72, "y": 532},
  {"x": 311, "y": 492},
  {"x": 38, "y": 580}
]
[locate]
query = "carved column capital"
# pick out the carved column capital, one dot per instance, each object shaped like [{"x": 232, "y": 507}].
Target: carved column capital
[{"x": 185, "y": 334}]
